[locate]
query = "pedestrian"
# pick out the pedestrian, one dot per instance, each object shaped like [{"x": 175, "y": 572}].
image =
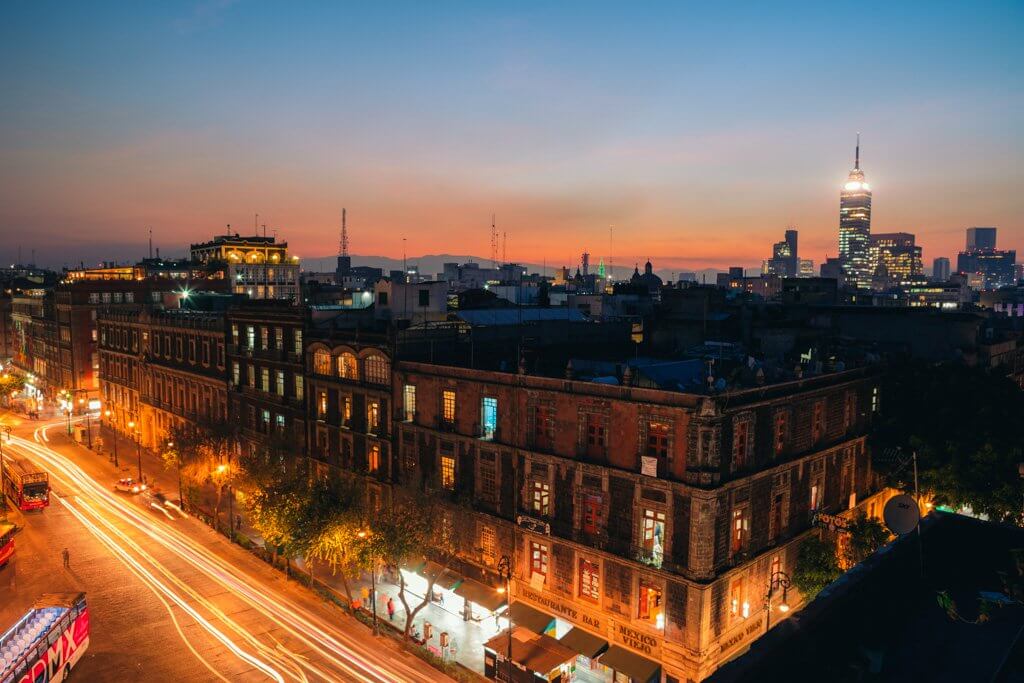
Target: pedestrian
[
  {"x": 391, "y": 608},
  {"x": 67, "y": 558}
]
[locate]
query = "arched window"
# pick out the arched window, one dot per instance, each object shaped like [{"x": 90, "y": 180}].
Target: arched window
[
  {"x": 322, "y": 362},
  {"x": 378, "y": 369},
  {"x": 347, "y": 366}
]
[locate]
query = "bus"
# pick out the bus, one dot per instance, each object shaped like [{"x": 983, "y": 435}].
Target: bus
[
  {"x": 25, "y": 484},
  {"x": 47, "y": 642},
  {"x": 6, "y": 543}
]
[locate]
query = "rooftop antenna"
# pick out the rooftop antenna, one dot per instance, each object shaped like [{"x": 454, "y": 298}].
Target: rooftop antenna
[
  {"x": 611, "y": 253},
  {"x": 504, "y": 244},
  {"x": 856, "y": 158},
  {"x": 494, "y": 244},
  {"x": 256, "y": 223},
  {"x": 343, "y": 244},
  {"x": 151, "y": 242}
]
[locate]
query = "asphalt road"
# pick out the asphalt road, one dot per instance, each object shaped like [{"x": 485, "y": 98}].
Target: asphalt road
[{"x": 169, "y": 598}]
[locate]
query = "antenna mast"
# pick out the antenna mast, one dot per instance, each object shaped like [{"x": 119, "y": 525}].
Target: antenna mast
[
  {"x": 494, "y": 244},
  {"x": 611, "y": 253},
  {"x": 343, "y": 244},
  {"x": 856, "y": 158},
  {"x": 151, "y": 242},
  {"x": 504, "y": 244}
]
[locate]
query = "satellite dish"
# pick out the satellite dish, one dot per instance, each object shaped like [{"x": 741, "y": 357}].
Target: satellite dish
[{"x": 901, "y": 514}]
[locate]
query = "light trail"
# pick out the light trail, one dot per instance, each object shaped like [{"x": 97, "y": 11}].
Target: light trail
[{"x": 326, "y": 639}]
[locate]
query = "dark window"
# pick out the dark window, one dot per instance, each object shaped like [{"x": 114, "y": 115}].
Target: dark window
[{"x": 424, "y": 297}]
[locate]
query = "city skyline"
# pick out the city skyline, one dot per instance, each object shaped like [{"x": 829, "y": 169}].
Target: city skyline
[{"x": 699, "y": 149}]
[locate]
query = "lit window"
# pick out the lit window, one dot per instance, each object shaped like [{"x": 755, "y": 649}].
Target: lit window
[
  {"x": 299, "y": 387},
  {"x": 538, "y": 560},
  {"x": 448, "y": 406},
  {"x": 590, "y": 580},
  {"x": 592, "y": 505},
  {"x": 740, "y": 528},
  {"x": 815, "y": 497},
  {"x": 321, "y": 404},
  {"x": 265, "y": 379},
  {"x": 264, "y": 338},
  {"x": 541, "y": 498},
  {"x": 489, "y": 417},
  {"x": 372, "y": 417},
  {"x": 279, "y": 338},
  {"x": 280, "y": 382},
  {"x": 409, "y": 402},
  {"x": 374, "y": 458},
  {"x": 250, "y": 337},
  {"x": 236, "y": 372},
  {"x": 322, "y": 362},
  {"x": 653, "y": 537},
  {"x": 346, "y": 411},
  {"x": 378, "y": 369},
  {"x": 448, "y": 472},
  {"x": 347, "y": 367},
  {"x": 649, "y": 603}
]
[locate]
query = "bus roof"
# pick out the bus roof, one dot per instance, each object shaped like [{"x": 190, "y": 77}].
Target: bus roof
[{"x": 20, "y": 466}]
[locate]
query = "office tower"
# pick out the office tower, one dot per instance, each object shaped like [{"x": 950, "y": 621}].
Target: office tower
[
  {"x": 785, "y": 261},
  {"x": 855, "y": 226},
  {"x": 940, "y": 269},
  {"x": 981, "y": 238},
  {"x": 896, "y": 255},
  {"x": 994, "y": 266}
]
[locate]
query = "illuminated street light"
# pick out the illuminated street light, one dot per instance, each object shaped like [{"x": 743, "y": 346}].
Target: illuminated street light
[{"x": 777, "y": 580}]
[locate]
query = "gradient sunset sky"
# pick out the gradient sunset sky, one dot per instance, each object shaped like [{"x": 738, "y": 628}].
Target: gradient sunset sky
[{"x": 700, "y": 130}]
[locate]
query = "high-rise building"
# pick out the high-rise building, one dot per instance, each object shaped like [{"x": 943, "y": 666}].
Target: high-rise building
[
  {"x": 784, "y": 261},
  {"x": 896, "y": 253},
  {"x": 940, "y": 269},
  {"x": 981, "y": 238},
  {"x": 994, "y": 266},
  {"x": 855, "y": 226}
]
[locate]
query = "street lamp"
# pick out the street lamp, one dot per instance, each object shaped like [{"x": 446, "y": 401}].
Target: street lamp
[
  {"x": 373, "y": 584},
  {"x": 107, "y": 413},
  {"x": 177, "y": 462},
  {"x": 138, "y": 446},
  {"x": 505, "y": 571},
  {"x": 88, "y": 426},
  {"x": 777, "y": 580}
]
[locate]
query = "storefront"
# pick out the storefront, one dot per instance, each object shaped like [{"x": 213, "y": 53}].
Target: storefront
[
  {"x": 535, "y": 657},
  {"x": 588, "y": 647},
  {"x": 532, "y": 619},
  {"x": 481, "y": 602},
  {"x": 629, "y": 667}
]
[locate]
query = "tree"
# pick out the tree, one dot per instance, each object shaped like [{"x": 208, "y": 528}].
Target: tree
[
  {"x": 865, "y": 536},
  {"x": 963, "y": 423},
  {"x": 276, "y": 512},
  {"x": 10, "y": 385},
  {"x": 413, "y": 530},
  {"x": 202, "y": 453},
  {"x": 337, "y": 528},
  {"x": 817, "y": 565}
]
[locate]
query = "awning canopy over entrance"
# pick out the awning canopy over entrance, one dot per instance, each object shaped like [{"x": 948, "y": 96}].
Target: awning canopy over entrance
[
  {"x": 586, "y": 644},
  {"x": 535, "y": 651},
  {"x": 530, "y": 618},
  {"x": 640, "y": 669},
  {"x": 481, "y": 594}
]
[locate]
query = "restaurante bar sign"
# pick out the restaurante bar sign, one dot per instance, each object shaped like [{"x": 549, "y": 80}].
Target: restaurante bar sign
[{"x": 561, "y": 609}]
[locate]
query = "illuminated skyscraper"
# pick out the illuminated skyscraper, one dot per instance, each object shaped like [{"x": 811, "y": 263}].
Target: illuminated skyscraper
[{"x": 855, "y": 226}]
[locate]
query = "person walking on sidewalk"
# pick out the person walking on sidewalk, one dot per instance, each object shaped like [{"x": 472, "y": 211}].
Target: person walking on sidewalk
[
  {"x": 66, "y": 557},
  {"x": 391, "y": 608}
]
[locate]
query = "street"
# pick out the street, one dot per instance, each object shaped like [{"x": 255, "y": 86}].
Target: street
[{"x": 169, "y": 598}]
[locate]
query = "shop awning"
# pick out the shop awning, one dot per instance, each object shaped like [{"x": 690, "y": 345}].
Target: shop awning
[
  {"x": 624, "y": 661},
  {"x": 535, "y": 651},
  {"x": 586, "y": 644},
  {"x": 444, "y": 578},
  {"x": 530, "y": 618},
  {"x": 481, "y": 594}
]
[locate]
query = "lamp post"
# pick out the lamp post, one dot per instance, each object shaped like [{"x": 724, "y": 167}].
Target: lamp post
[
  {"x": 108, "y": 413},
  {"x": 777, "y": 580},
  {"x": 88, "y": 426},
  {"x": 5, "y": 431},
  {"x": 505, "y": 571},
  {"x": 138, "y": 446},
  {"x": 373, "y": 585},
  {"x": 177, "y": 462}
]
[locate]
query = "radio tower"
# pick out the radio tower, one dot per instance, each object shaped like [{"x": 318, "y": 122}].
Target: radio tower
[
  {"x": 343, "y": 243},
  {"x": 494, "y": 244}
]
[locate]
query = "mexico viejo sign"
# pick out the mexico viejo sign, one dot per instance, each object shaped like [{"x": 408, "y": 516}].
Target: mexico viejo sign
[{"x": 637, "y": 640}]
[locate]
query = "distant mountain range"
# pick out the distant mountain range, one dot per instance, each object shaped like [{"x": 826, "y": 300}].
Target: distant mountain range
[{"x": 432, "y": 264}]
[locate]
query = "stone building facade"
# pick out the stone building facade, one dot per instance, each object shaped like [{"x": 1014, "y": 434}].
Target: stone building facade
[{"x": 650, "y": 519}]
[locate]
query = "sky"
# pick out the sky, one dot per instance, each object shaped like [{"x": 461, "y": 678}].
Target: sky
[{"x": 700, "y": 131}]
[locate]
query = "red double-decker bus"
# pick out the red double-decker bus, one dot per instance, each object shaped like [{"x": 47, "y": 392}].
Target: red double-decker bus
[
  {"x": 46, "y": 643},
  {"x": 6, "y": 543},
  {"x": 26, "y": 485}
]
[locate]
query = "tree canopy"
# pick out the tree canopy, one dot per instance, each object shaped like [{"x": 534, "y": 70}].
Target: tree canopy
[{"x": 964, "y": 425}]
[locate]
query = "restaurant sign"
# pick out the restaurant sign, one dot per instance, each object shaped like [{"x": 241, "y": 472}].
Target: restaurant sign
[
  {"x": 639, "y": 641},
  {"x": 561, "y": 609}
]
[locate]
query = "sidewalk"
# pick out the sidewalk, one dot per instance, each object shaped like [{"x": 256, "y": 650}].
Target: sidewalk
[{"x": 467, "y": 638}]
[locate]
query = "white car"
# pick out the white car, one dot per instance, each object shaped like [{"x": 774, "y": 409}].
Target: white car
[{"x": 129, "y": 485}]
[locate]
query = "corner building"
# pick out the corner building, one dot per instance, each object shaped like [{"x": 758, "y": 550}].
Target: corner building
[{"x": 651, "y": 521}]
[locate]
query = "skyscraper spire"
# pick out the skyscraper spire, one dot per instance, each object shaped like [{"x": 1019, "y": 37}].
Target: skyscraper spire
[
  {"x": 343, "y": 242},
  {"x": 856, "y": 158}
]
